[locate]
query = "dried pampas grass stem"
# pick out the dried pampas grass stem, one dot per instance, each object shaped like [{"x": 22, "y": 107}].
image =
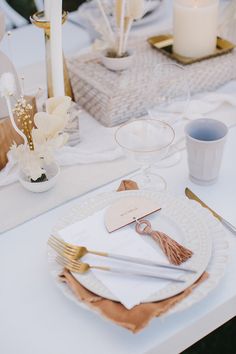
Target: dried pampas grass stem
[
  {"x": 128, "y": 22},
  {"x": 105, "y": 18},
  {"x": 125, "y": 13},
  {"x": 120, "y": 18},
  {"x": 134, "y": 11}
]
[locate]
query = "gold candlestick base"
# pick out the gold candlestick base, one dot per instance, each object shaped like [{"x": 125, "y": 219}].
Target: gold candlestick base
[{"x": 38, "y": 19}]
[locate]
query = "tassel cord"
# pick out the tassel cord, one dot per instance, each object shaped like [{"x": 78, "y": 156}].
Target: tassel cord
[{"x": 175, "y": 252}]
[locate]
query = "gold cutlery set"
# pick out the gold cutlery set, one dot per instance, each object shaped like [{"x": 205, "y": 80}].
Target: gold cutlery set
[{"x": 69, "y": 257}]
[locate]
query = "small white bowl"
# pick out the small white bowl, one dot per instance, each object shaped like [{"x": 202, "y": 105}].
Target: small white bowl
[
  {"x": 52, "y": 173},
  {"x": 117, "y": 64}
]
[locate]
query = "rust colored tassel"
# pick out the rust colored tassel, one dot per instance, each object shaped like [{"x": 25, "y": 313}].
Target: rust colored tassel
[{"x": 175, "y": 253}]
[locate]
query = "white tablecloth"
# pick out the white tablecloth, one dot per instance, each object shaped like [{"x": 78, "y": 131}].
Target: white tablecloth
[
  {"x": 36, "y": 318},
  {"x": 68, "y": 186}
]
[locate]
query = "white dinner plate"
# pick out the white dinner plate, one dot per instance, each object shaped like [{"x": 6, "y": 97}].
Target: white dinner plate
[{"x": 188, "y": 223}]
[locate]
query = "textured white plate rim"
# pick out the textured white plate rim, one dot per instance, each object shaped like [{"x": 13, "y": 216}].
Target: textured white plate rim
[
  {"x": 206, "y": 286},
  {"x": 197, "y": 231}
]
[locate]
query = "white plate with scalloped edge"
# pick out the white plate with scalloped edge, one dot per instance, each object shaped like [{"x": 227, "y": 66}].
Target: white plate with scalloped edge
[{"x": 189, "y": 223}]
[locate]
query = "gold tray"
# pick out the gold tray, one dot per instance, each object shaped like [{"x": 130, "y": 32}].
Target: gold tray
[{"x": 164, "y": 43}]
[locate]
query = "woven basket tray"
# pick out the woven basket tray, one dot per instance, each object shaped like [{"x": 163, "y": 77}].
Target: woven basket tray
[
  {"x": 114, "y": 97},
  {"x": 8, "y": 135}
]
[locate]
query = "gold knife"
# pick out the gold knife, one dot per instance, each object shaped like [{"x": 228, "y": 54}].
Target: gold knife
[{"x": 227, "y": 224}]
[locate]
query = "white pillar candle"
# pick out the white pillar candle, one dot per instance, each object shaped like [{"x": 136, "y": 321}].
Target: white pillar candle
[
  {"x": 195, "y": 27},
  {"x": 56, "y": 48},
  {"x": 47, "y": 5}
]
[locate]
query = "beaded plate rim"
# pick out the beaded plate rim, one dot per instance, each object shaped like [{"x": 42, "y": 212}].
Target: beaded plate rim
[{"x": 211, "y": 227}]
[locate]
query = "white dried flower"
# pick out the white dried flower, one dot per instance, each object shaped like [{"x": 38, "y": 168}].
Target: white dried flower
[
  {"x": 47, "y": 152},
  {"x": 29, "y": 161},
  {"x": 46, "y": 149},
  {"x": 101, "y": 29},
  {"x": 58, "y": 105},
  {"x": 52, "y": 122},
  {"x": 47, "y": 138}
]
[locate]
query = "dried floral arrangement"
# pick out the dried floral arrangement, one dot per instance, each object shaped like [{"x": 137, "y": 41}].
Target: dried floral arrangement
[
  {"x": 125, "y": 13},
  {"x": 42, "y": 137}
]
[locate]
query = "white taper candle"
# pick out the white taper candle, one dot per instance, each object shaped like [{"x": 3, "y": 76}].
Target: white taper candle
[
  {"x": 47, "y": 5},
  {"x": 56, "y": 48}
]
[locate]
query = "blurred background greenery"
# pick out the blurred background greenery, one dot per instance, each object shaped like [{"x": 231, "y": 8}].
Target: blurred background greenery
[{"x": 27, "y": 7}]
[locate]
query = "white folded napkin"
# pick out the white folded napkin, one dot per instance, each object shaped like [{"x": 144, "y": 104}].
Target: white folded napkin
[{"x": 129, "y": 290}]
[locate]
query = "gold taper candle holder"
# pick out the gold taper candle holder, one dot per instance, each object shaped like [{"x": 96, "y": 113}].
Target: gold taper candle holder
[{"x": 38, "y": 19}]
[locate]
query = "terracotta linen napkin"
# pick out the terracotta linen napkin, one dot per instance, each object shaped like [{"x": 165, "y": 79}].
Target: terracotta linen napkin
[
  {"x": 139, "y": 316},
  {"x": 136, "y": 318}
]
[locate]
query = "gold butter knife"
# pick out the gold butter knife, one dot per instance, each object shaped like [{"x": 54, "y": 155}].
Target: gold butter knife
[{"x": 227, "y": 224}]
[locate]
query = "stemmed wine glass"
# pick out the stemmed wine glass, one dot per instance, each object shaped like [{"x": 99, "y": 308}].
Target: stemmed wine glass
[
  {"x": 146, "y": 141},
  {"x": 171, "y": 84}
]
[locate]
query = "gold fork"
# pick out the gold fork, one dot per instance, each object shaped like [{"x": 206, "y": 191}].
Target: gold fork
[
  {"x": 77, "y": 252},
  {"x": 79, "y": 267}
]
